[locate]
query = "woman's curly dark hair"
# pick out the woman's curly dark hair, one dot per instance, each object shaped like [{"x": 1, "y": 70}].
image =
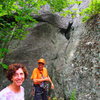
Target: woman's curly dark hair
[{"x": 12, "y": 69}]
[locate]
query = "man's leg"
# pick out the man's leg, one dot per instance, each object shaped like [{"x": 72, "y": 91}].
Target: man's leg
[
  {"x": 38, "y": 93},
  {"x": 44, "y": 95},
  {"x": 37, "y": 97}
]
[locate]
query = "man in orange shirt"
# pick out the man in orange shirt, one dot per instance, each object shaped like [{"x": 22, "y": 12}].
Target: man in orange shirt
[{"x": 39, "y": 77}]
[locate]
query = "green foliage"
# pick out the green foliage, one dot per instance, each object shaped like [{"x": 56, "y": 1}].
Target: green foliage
[
  {"x": 54, "y": 98},
  {"x": 72, "y": 12},
  {"x": 92, "y": 9},
  {"x": 2, "y": 52},
  {"x": 14, "y": 19},
  {"x": 4, "y": 65},
  {"x": 58, "y": 5},
  {"x": 73, "y": 95}
]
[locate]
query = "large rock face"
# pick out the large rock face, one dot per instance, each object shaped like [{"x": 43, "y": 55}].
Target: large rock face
[{"x": 71, "y": 51}]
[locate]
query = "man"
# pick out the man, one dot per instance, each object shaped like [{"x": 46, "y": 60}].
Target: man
[{"x": 39, "y": 77}]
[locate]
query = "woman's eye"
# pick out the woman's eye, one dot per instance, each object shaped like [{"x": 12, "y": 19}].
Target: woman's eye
[
  {"x": 21, "y": 73},
  {"x": 15, "y": 74}
]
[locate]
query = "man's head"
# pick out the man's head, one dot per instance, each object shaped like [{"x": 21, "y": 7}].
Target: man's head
[{"x": 41, "y": 63}]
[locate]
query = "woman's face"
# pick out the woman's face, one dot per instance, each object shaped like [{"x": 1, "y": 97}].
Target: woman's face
[{"x": 18, "y": 77}]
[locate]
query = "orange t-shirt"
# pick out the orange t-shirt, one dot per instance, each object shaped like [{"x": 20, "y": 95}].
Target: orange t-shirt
[{"x": 37, "y": 74}]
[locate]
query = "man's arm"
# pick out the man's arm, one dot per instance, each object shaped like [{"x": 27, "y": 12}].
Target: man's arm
[
  {"x": 52, "y": 85},
  {"x": 41, "y": 80}
]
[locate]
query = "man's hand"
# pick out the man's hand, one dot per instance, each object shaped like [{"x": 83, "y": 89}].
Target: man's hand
[
  {"x": 49, "y": 80},
  {"x": 52, "y": 86}
]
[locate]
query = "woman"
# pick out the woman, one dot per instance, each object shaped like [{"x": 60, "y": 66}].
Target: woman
[{"x": 16, "y": 73}]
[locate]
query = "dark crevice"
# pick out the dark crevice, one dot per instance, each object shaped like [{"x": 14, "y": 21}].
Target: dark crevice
[
  {"x": 66, "y": 32},
  {"x": 38, "y": 18}
]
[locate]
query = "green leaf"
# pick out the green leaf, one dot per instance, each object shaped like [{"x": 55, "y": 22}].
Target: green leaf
[
  {"x": 3, "y": 50},
  {"x": 4, "y": 65},
  {"x": 92, "y": 9}
]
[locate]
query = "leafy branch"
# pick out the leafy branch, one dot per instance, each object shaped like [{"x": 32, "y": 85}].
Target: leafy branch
[{"x": 92, "y": 9}]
